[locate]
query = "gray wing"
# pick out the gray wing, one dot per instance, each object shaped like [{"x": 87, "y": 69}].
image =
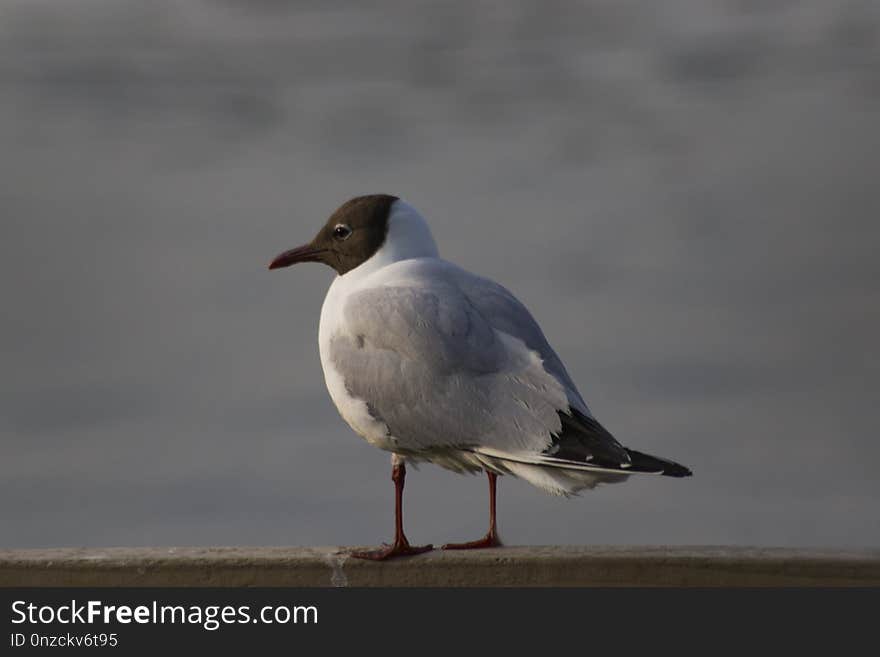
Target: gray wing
[
  {"x": 582, "y": 438},
  {"x": 430, "y": 365},
  {"x": 507, "y": 314}
]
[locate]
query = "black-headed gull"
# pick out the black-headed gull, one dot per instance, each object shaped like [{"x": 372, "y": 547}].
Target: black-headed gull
[{"x": 432, "y": 363}]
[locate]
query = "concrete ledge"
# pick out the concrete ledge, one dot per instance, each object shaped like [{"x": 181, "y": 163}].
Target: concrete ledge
[{"x": 508, "y": 566}]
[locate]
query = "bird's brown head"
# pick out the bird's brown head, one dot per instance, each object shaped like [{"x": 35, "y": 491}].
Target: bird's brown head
[{"x": 350, "y": 237}]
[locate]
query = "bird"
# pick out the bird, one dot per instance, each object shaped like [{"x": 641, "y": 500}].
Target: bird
[{"x": 433, "y": 363}]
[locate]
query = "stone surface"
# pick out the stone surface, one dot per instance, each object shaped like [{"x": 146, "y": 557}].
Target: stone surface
[{"x": 507, "y": 566}]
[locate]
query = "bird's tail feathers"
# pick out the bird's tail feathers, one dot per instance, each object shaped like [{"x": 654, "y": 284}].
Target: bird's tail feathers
[
  {"x": 565, "y": 477},
  {"x": 640, "y": 463}
]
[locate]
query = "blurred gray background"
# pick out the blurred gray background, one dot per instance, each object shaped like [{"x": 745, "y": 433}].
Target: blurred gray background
[{"x": 684, "y": 193}]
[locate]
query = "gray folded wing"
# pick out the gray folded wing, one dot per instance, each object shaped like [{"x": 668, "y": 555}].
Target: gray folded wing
[
  {"x": 507, "y": 314},
  {"x": 430, "y": 364}
]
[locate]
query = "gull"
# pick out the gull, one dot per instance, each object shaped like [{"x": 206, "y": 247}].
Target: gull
[{"x": 433, "y": 363}]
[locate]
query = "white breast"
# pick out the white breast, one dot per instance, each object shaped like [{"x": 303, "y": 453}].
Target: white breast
[
  {"x": 408, "y": 237},
  {"x": 353, "y": 410}
]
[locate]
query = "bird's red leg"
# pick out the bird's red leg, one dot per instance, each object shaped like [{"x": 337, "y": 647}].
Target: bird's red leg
[
  {"x": 401, "y": 546},
  {"x": 491, "y": 538}
]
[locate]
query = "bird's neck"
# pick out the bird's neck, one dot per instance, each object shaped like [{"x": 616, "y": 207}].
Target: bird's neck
[{"x": 408, "y": 237}]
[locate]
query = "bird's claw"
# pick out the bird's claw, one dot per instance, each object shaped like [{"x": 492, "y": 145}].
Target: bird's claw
[
  {"x": 401, "y": 549},
  {"x": 488, "y": 541}
]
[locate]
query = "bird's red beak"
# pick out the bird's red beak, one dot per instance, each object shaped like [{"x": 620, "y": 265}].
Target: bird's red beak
[{"x": 304, "y": 253}]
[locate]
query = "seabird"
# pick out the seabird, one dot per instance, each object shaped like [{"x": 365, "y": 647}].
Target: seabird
[{"x": 433, "y": 363}]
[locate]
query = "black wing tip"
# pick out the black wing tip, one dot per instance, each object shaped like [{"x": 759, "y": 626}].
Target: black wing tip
[
  {"x": 677, "y": 470},
  {"x": 648, "y": 463},
  {"x": 582, "y": 439}
]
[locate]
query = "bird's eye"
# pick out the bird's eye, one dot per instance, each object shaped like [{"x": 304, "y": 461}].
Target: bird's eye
[{"x": 341, "y": 232}]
